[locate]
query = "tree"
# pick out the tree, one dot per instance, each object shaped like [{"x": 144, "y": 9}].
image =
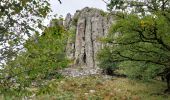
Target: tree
[
  {"x": 19, "y": 19},
  {"x": 137, "y": 6},
  {"x": 43, "y": 56},
  {"x": 141, "y": 42}
]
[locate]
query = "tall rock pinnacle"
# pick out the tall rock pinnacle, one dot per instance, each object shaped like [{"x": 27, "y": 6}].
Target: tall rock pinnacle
[{"x": 90, "y": 25}]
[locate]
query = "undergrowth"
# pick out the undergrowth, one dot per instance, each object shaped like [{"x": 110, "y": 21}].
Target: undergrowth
[{"x": 97, "y": 88}]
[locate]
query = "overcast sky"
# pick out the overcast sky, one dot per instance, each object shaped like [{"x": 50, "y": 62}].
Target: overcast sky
[{"x": 70, "y": 6}]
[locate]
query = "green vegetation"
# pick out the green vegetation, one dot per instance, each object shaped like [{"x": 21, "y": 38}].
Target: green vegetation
[
  {"x": 15, "y": 22},
  {"x": 106, "y": 63},
  {"x": 139, "y": 43},
  {"x": 98, "y": 88},
  {"x": 104, "y": 14},
  {"x": 72, "y": 34},
  {"x": 43, "y": 56},
  {"x": 75, "y": 20}
]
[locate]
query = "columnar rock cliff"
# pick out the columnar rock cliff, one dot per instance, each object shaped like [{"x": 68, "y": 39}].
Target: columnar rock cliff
[{"x": 87, "y": 26}]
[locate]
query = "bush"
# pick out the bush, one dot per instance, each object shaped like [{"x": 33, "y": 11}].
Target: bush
[
  {"x": 43, "y": 56},
  {"x": 105, "y": 61},
  {"x": 140, "y": 71},
  {"x": 74, "y": 22},
  {"x": 104, "y": 14}
]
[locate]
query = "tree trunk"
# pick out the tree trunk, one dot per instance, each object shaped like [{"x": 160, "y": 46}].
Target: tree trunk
[{"x": 168, "y": 82}]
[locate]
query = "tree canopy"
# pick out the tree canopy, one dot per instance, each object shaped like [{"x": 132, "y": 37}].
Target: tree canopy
[
  {"x": 43, "y": 56},
  {"x": 140, "y": 43},
  {"x": 18, "y": 20},
  {"x": 137, "y": 6}
]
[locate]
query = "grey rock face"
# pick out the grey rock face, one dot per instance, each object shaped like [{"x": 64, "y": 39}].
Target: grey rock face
[
  {"x": 80, "y": 42},
  {"x": 67, "y": 21},
  {"x": 90, "y": 25}
]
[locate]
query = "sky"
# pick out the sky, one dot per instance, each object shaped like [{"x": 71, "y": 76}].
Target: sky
[{"x": 70, "y": 6}]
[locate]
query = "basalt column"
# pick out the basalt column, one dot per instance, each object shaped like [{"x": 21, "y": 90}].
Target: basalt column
[{"x": 90, "y": 25}]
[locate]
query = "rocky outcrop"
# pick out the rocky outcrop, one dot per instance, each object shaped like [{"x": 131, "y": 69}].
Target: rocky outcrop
[
  {"x": 89, "y": 25},
  {"x": 67, "y": 21}
]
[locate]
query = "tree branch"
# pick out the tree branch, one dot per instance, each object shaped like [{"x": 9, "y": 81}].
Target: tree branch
[{"x": 126, "y": 58}]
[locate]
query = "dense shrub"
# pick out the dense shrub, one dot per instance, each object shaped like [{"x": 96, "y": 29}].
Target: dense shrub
[
  {"x": 106, "y": 61},
  {"x": 43, "y": 56}
]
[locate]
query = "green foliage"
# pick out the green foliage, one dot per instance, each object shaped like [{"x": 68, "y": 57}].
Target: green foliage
[
  {"x": 72, "y": 34},
  {"x": 115, "y": 4},
  {"x": 140, "y": 43},
  {"x": 79, "y": 88},
  {"x": 16, "y": 23},
  {"x": 106, "y": 60},
  {"x": 74, "y": 22},
  {"x": 43, "y": 56},
  {"x": 138, "y": 70},
  {"x": 18, "y": 12},
  {"x": 103, "y": 13},
  {"x": 143, "y": 7}
]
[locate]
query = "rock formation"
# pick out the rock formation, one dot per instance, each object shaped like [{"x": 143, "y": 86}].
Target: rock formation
[{"x": 89, "y": 25}]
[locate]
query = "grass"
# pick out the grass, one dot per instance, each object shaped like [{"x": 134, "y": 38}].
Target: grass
[{"x": 100, "y": 88}]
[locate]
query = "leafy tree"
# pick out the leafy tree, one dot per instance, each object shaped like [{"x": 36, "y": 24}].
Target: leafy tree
[
  {"x": 137, "y": 6},
  {"x": 18, "y": 19},
  {"x": 43, "y": 56},
  {"x": 140, "y": 43}
]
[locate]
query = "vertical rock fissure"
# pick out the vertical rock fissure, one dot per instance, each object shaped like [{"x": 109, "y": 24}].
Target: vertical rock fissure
[
  {"x": 103, "y": 31},
  {"x": 92, "y": 43},
  {"x": 74, "y": 47},
  {"x": 84, "y": 57},
  {"x": 103, "y": 27}
]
